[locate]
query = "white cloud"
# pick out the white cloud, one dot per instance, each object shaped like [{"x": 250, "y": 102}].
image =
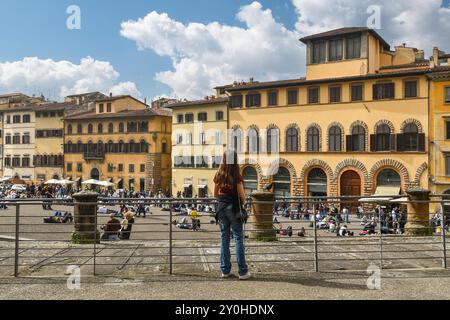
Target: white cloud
[
  {"x": 58, "y": 79},
  {"x": 418, "y": 23},
  {"x": 126, "y": 88},
  {"x": 207, "y": 55}
]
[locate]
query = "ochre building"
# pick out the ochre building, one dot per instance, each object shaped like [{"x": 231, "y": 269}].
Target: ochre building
[
  {"x": 199, "y": 138},
  {"x": 123, "y": 141},
  {"x": 356, "y": 125}
]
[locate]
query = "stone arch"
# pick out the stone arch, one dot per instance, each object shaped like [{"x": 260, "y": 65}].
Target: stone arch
[
  {"x": 420, "y": 171},
  {"x": 248, "y": 163},
  {"x": 318, "y": 127},
  {"x": 273, "y": 168},
  {"x": 336, "y": 124},
  {"x": 416, "y": 122},
  {"x": 386, "y": 122},
  {"x": 391, "y": 164},
  {"x": 364, "y": 125},
  {"x": 299, "y": 134},
  {"x": 315, "y": 163},
  {"x": 351, "y": 163}
]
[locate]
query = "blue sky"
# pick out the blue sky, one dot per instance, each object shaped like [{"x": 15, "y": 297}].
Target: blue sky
[{"x": 37, "y": 28}]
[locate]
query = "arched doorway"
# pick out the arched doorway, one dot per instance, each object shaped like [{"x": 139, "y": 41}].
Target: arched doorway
[
  {"x": 350, "y": 183},
  {"x": 317, "y": 183},
  {"x": 282, "y": 183},
  {"x": 95, "y": 174},
  {"x": 250, "y": 180}
]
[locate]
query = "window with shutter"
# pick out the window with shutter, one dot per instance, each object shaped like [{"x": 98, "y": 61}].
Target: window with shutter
[
  {"x": 292, "y": 97},
  {"x": 335, "y": 94},
  {"x": 357, "y": 92},
  {"x": 313, "y": 95},
  {"x": 383, "y": 91},
  {"x": 410, "y": 89}
]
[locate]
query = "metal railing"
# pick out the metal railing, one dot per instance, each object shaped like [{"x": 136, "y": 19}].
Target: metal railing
[{"x": 161, "y": 244}]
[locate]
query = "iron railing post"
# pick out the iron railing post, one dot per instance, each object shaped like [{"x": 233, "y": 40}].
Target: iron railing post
[
  {"x": 17, "y": 242},
  {"x": 316, "y": 247},
  {"x": 170, "y": 240},
  {"x": 380, "y": 223},
  {"x": 444, "y": 244},
  {"x": 95, "y": 243}
]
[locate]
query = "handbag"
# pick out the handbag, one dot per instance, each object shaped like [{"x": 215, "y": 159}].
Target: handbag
[{"x": 243, "y": 214}]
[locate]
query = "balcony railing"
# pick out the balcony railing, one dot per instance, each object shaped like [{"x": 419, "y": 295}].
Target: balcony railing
[{"x": 94, "y": 155}]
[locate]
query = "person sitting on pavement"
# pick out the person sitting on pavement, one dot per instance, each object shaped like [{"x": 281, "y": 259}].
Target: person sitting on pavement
[
  {"x": 111, "y": 229},
  {"x": 127, "y": 226}
]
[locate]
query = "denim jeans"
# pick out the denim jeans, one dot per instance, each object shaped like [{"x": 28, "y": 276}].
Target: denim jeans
[{"x": 229, "y": 223}]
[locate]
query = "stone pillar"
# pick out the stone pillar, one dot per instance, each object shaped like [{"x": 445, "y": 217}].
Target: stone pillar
[
  {"x": 85, "y": 218},
  {"x": 261, "y": 221},
  {"x": 418, "y": 218}
]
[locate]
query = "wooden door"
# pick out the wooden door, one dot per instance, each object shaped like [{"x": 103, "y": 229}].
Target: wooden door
[{"x": 351, "y": 186}]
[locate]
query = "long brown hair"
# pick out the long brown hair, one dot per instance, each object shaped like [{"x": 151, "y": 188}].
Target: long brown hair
[{"x": 228, "y": 175}]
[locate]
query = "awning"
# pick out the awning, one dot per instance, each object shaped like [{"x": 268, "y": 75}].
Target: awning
[
  {"x": 317, "y": 187},
  {"x": 375, "y": 200},
  {"x": 387, "y": 191},
  {"x": 202, "y": 186},
  {"x": 187, "y": 185},
  {"x": 401, "y": 200}
]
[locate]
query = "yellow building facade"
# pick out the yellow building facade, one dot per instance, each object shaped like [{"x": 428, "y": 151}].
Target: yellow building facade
[
  {"x": 440, "y": 131},
  {"x": 199, "y": 138},
  {"x": 123, "y": 141},
  {"x": 356, "y": 125}
]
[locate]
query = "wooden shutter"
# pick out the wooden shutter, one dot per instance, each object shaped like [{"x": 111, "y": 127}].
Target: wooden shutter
[
  {"x": 375, "y": 92},
  {"x": 373, "y": 143},
  {"x": 393, "y": 142},
  {"x": 349, "y": 142},
  {"x": 400, "y": 142},
  {"x": 421, "y": 142}
]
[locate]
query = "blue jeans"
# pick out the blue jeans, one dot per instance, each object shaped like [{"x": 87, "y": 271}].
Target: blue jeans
[{"x": 229, "y": 223}]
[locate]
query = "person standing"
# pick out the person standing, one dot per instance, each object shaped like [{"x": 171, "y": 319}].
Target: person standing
[
  {"x": 345, "y": 213},
  {"x": 230, "y": 192}
]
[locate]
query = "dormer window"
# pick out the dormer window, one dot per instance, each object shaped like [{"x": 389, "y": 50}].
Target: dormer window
[
  {"x": 319, "y": 54},
  {"x": 353, "y": 48},
  {"x": 336, "y": 50}
]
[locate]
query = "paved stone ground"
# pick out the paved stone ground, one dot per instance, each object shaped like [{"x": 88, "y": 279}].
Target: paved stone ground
[
  {"x": 140, "y": 268},
  {"x": 418, "y": 285}
]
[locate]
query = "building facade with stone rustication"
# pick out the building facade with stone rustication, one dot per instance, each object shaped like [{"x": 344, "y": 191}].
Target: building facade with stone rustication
[
  {"x": 122, "y": 140},
  {"x": 356, "y": 125},
  {"x": 199, "y": 137}
]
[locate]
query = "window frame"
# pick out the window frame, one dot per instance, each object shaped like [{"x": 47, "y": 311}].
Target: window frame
[
  {"x": 404, "y": 88},
  {"x": 332, "y": 51},
  {"x": 354, "y": 85},
  {"x": 272, "y": 98},
  {"x": 333, "y": 87},
  {"x": 447, "y": 95},
  {"x": 349, "y": 40},
  {"x": 288, "y": 97},
  {"x": 309, "y": 94},
  {"x": 253, "y": 100},
  {"x": 383, "y": 91}
]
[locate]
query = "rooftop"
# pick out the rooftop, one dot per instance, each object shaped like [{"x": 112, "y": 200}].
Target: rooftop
[
  {"x": 202, "y": 102},
  {"x": 122, "y": 114},
  {"x": 345, "y": 31}
]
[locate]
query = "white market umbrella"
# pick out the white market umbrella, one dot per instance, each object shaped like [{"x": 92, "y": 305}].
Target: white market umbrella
[
  {"x": 106, "y": 184},
  {"x": 18, "y": 187},
  {"x": 91, "y": 181},
  {"x": 52, "y": 181},
  {"x": 5, "y": 179},
  {"x": 66, "y": 182}
]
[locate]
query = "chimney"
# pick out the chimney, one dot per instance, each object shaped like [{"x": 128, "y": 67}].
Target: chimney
[{"x": 435, "y": 57}]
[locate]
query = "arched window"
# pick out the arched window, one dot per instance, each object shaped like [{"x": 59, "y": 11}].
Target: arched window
[
  {"x": 253, "y": 141},
  {"x": 250, "y": 180},
  {"x": 358, "y": 138},
  {"x": 69, "y": 129},
  {"x": 80, "y": 147},
  {"x": 282, "y": 182},
  {"x": 69, "y": 147},
  {"x": 110, "y": 147},
  {"x": 90, "y": 147},
  {"x": 292, "y": 140},
  {"x": 236, "y": 139},
  {"x": 90, "y": 128},
  {"x": 313, "y": 144},
  {"x": 143, "y": 126},
  {"x": 383, "y": 137},
  {"x": 121, "y": 127},
  {"x": 335, "y": 139},
  {"x": 121, "y": 147},
  {"x": 388, "y": 178},
  {"x": 317, "y": 183},
  {"x": 100, "y": 128},
  {"x": 100, "y": 147},
  {"x": 411, "y": 137},
  {"x": 273, "y": 140},
  {"x": 132, "y": 147},
  {"x": 79, "y": 128},
  {"x": 144, "y": 146},
  {"x": 110, "y": 128}
]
